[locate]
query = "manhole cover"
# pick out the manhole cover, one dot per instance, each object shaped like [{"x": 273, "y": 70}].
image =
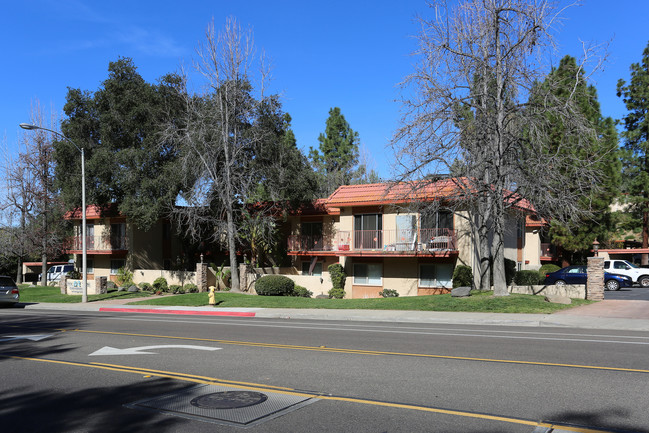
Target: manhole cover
[
  {"x": 229, "y": 400},
  {"x": 225, "y": 405}
]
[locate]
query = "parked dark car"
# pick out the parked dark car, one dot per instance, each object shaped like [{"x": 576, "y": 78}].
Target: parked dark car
[
  {"x": 576, "y": 274},
  {"x": 9, "y": 293}
]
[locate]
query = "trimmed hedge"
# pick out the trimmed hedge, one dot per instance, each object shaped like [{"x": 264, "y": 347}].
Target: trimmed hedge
[
  {"x": 274, "y": 285},
  {"x": 462, "y": 276},
  {"x": 302, "y": 292},
  {"x": 546, "y": 269},
  {"x": 527, "y": 278}
]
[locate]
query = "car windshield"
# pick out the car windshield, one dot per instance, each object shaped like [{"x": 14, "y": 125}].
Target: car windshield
[{"x": 633, "y": 265}]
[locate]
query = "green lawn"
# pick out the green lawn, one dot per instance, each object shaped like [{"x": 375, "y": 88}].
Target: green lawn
[
  {"x": 478, "y": 302},
  {"x": 31, "y": 294}
]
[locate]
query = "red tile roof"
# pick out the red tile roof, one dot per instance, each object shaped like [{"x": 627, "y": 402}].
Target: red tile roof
[
  {"x": 93, "y": 212},
  {"x": 377, "y": 194},
  {"x": 387, "y": 193}
]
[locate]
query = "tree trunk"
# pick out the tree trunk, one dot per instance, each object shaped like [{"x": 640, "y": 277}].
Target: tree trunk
[
  {"x": 500, "y": 281},
  {"x": 645, "y": 237},
  {"x": 19, "y": 271},
  {"x": 232, "y": 248}
]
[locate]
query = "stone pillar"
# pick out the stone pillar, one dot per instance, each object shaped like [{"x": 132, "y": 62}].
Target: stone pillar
[
  {"x": 201, "y": 277},
  {"x": 101, "y": 285},
  {"x": 595, "y": 282},
  {"x": 63, "y": 284},
  {"x": 243, "y": 277}
]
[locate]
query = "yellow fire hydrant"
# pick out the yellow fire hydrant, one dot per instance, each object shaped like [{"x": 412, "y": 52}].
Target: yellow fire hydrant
[{"x": 210, "y": 296}]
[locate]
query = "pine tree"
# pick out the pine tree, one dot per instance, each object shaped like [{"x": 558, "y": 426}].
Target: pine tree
[
  {"x": 336, "y": 159},
  {"x": 568, "y": 82},
  {"x": 635, "y": 95}
]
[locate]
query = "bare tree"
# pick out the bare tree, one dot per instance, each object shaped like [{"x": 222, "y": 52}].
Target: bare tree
[
  {"x": 217, "y": 139},
  {"x": 17, "y": 205},
  {"x": 475, "y": 109}
]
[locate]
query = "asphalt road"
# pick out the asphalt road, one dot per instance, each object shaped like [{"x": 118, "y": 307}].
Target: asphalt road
[
  {"x": 634, "y": 293},
  {"x": 64, "y": 372}
]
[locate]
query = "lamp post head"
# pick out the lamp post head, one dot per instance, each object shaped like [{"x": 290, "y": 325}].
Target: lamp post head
[
  {"x": 596, "y": 247},
  {"x": 28, "y": 126}
]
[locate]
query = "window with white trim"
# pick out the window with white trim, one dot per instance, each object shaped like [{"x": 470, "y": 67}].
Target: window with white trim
[
  {"x": 370, "y": 274},
  {"x": 436, "y": 275}
]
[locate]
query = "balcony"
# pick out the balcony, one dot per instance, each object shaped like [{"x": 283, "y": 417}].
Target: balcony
[
  {"x": 378, "y": 242},
  {"x": 97, "y": 244}
]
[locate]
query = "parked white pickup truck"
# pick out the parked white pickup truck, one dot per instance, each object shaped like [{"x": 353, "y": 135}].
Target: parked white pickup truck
[{"x": 622, "y": 267}]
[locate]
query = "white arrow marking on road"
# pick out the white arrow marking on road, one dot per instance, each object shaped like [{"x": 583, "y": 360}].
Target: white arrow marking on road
[
  {"x": 107, "y": 350},
  {"x": 26, "y": 337}
]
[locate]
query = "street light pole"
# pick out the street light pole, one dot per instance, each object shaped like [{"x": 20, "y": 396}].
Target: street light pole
[{"x": 84, "y": 262}]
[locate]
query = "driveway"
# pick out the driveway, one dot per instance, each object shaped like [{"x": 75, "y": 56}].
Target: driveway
[{"x": 629, "y": 294}]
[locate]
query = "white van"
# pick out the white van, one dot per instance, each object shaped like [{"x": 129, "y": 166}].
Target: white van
[{"x": 54, "y": 273}]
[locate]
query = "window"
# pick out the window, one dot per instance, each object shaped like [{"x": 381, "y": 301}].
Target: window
[
  {"x": 368, "y": 231},
  {"x": 115, "y": 264},
  {"x": 317, "y": 269},
  {"x": 368, "y": 274},
  {"x": 442, "y": 219},
  {"x": 118, "y": 236},
  {"x": 436, "y": 275},
  {"x": 312, "y": 235},
  {"x": 90, "y": 266}
]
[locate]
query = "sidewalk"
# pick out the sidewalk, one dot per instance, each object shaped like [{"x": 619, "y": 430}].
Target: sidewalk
[{"x": 614, "y": 315}]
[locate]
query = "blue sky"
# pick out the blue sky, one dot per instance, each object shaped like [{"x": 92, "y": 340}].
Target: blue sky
[{"x": 350, "y": 54}]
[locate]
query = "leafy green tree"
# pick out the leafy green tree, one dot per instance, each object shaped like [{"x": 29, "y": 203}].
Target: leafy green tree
[
  {"x": 127, "y": 161},
  {"x": 635, "y": 95},
  {"x": 567, "y": 82},
  {"x": 336, "y": 159}
]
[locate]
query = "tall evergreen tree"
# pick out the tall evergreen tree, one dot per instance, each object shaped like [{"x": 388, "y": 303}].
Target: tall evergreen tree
[
  {"x": 127, "y": 161},
  {"x": 635, "y": 95},
  {"x": 568, "y": 82},
  {"x": 336, "y": 159}
]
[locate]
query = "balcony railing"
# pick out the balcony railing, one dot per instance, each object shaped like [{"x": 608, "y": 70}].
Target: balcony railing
[
  {"x": 98, "y": 243},
  {"x": 406, "y": 241}
]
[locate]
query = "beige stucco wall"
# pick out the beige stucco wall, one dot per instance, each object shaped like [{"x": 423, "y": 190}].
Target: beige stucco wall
[
  {"x": 532, "y": 249},
  {"x": 172, "y": 277},
  {"x": 401, "y": 274}
]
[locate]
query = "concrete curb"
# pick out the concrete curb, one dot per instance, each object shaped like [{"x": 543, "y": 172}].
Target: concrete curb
[
  {"x": 384, "y": 316},
  {"x": 186, "y": 312}
]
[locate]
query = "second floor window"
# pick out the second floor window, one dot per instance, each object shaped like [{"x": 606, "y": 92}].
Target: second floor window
[
  {"x": 118, "y": 235},
  {"x": 312, "y": 234},
  {"x": 368, "y": 231}
]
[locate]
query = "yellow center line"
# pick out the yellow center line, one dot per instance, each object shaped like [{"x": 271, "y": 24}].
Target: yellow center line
[
  {"x": 289, "y": 391},
  {"x": 367, "y": 352}
]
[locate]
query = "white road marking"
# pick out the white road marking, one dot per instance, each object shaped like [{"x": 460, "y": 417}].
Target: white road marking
[
  {"x": 26, "y": 337},
  {"x": 143, "y": 350}
]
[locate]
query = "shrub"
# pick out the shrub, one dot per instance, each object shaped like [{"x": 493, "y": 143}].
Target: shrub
[
  {"x": 124, "y": 277},
  {"x": 546, "y": 269},
  {"x": 337, "y": 275},
  {"x": 336, "y": 294},
  {"x": 274, "y": 285},
  {"x": 526, "y": 278},
  {"x": 302, "y": 292},
  {"x": 160, "y": 284},
  {"x": 110, "y": 285},
  {"x": 510, "y": 271},
  {"x": 462, "y": 276},
  {"x": 190, "y": 288},
  {"x": 146, "y": 286},
  {"x": 389, "y": 293},
  {"x": 74, "y": 275},
  {"x": 174, "y": 288}
]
